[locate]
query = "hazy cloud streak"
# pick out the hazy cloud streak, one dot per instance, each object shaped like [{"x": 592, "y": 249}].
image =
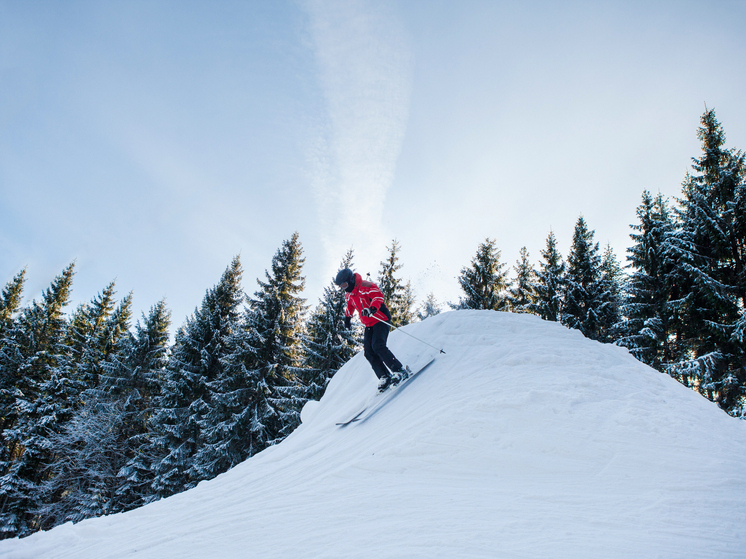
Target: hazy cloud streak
[{"x": 365, "y": 69}]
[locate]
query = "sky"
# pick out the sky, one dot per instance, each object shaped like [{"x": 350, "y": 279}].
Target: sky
[{"x": 150, "y": 142}]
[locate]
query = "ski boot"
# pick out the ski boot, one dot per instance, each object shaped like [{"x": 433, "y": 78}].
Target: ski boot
[
  {"x": 384, "y": 383},
  {"x": 400, "y": 375}
]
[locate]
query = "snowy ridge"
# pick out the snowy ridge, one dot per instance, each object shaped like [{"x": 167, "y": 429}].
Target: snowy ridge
[{"x": 524, "y": 440}]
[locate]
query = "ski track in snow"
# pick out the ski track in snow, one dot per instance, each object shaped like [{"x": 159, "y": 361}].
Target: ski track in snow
[{"x": 524, "y": 440}]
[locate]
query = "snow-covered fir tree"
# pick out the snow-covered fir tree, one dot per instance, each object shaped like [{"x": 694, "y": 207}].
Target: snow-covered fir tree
[
  {"x": 275, "y": 317},
  {"x": 77, "y": 486},
  {"x": 327, "y": 344},
  {"x": 430, "y": 307},
  {"x": 484, "y": 283},
  {"x": 256, "y": 400},
  {"x": 182, "y": 409},
  {"x": 242, "y": 399},
  {"x": 549, "y": 282},
  {"x": 10, "y": 370},
  {"x": 83, "y": 480},
  {"x": 583, "y": 296},
  {"x": 406, "y": 305},
  {"x": 397, "y": 294},
  {"x": 135, "y": 380},
  {"x": 10, "y": 301},
  {"x": 711, "y": 270},
  {"x": 97, "y": 331},
  {"x": 522, "y": 295},
  {"x": 610, "y": 287},
  {"x": 647, "y": 329},
  {"x": 33, "y": 365}
]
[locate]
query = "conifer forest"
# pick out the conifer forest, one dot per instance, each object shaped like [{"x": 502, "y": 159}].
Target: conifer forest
[{"x": 102, "y": 412}]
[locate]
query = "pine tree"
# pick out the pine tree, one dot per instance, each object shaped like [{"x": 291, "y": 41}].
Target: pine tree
[
  {"x": 97, "y": 331},
  {"x": 711, "y": 270},
  {"x": 610, "y": 296},
  {"x": 583, "y": 290},
  {"x": 182, "y": 409},
  {"x": 34, "y": 359},
  {"x": 10, "y": 301},
  {"x": 327, "y": 344},
  {"x": 83, "y": 479},
  {"x": 485, "y": 282},
  {"x": 549, "y": 284},
  {"x": 136, "y": 380},
  {"x": 242, "y": 400},
  {"x": 78, "y": 486},
  {"x": 256, "y": 400},
  {"x": 405, "y": 305},
  {"x": 647, "y": 328},
  {"x": 397, "y": 294},
  {"x": 522, "y": 295},
  {"x": 430, "y": 307},
  {"x": 275, "y": 316}
]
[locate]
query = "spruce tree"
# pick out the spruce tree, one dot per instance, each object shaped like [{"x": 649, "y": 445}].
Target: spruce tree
[
  {"x": 256, "y": 401},
  {"x": 522, "y": 295},
  {"x": 97, "y": 332},
  {"x": 275, "y": 318},
  {"x": 327, "y": 344},
  {"x": 398, "y": 295},
  {"x": 83, "y": 481},
  {"x": 34, "y": 360},
  {"x": 484, "y": 283},
  {"x": 10, "y": 301},
  {"x": 711, "y": 270},
  {"x": 610, "y": 287},
  {"x": 549, "y": 283},
  {"x": 647, "y": 329},
  {"x": 82, "y": 478},
  {"x": 242, "y": 400},
  {"x": 136, "y": 381},
  {"x": 182, "y": 409},
  {"x": 583, "y": 290},
  {"x": 430, "y": 307}
]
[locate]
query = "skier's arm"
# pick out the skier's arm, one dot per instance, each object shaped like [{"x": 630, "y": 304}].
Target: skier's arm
[
  {"x": 372, "y": 299},
  {"x": 376, "y": 297},
  {"x": 349, "y": 309}
]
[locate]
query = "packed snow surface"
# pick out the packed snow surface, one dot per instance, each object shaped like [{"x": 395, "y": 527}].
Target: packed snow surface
[{"x": 523, "y": 440}]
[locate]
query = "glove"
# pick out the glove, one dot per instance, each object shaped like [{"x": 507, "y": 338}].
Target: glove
[
  {"x": 348, "y": 322},
  {"x": 370, "y": 311}
]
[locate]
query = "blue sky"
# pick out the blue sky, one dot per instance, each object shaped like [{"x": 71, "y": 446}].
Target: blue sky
[{"x": 152, "y": 141}]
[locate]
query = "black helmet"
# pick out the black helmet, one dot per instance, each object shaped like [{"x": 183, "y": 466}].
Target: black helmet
[{"x": 345, "y": 276}]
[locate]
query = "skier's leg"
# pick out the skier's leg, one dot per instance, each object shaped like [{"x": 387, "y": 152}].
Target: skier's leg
[
  {"x": 379, "y": 335},
  {"x": 375, "y": 361}
]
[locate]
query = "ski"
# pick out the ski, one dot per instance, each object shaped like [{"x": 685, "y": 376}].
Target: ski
[
  {"x": 353, "y": 418},
  {"x": 383, "y": 397}
]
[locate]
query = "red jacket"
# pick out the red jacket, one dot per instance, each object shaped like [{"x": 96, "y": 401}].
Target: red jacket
[{"x": 366, "y": 294}]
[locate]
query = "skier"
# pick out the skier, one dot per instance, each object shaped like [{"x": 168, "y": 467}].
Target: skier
[{"x": 366, "y": 298}]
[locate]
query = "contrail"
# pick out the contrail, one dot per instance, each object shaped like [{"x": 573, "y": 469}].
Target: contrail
[{"x": 365, "y": 67}]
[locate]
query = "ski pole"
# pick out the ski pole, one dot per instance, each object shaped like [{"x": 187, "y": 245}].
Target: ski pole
[{"x": 408, "y": 334}]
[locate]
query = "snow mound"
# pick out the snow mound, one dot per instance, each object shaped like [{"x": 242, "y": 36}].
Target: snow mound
[{"x": 524, "y": 440}]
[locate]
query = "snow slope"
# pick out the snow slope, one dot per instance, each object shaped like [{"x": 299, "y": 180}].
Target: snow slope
[{"x": 525, "y": 440}]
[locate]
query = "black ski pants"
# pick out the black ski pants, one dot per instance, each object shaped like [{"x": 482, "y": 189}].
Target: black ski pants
[{"x": 378, "y": 355}]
